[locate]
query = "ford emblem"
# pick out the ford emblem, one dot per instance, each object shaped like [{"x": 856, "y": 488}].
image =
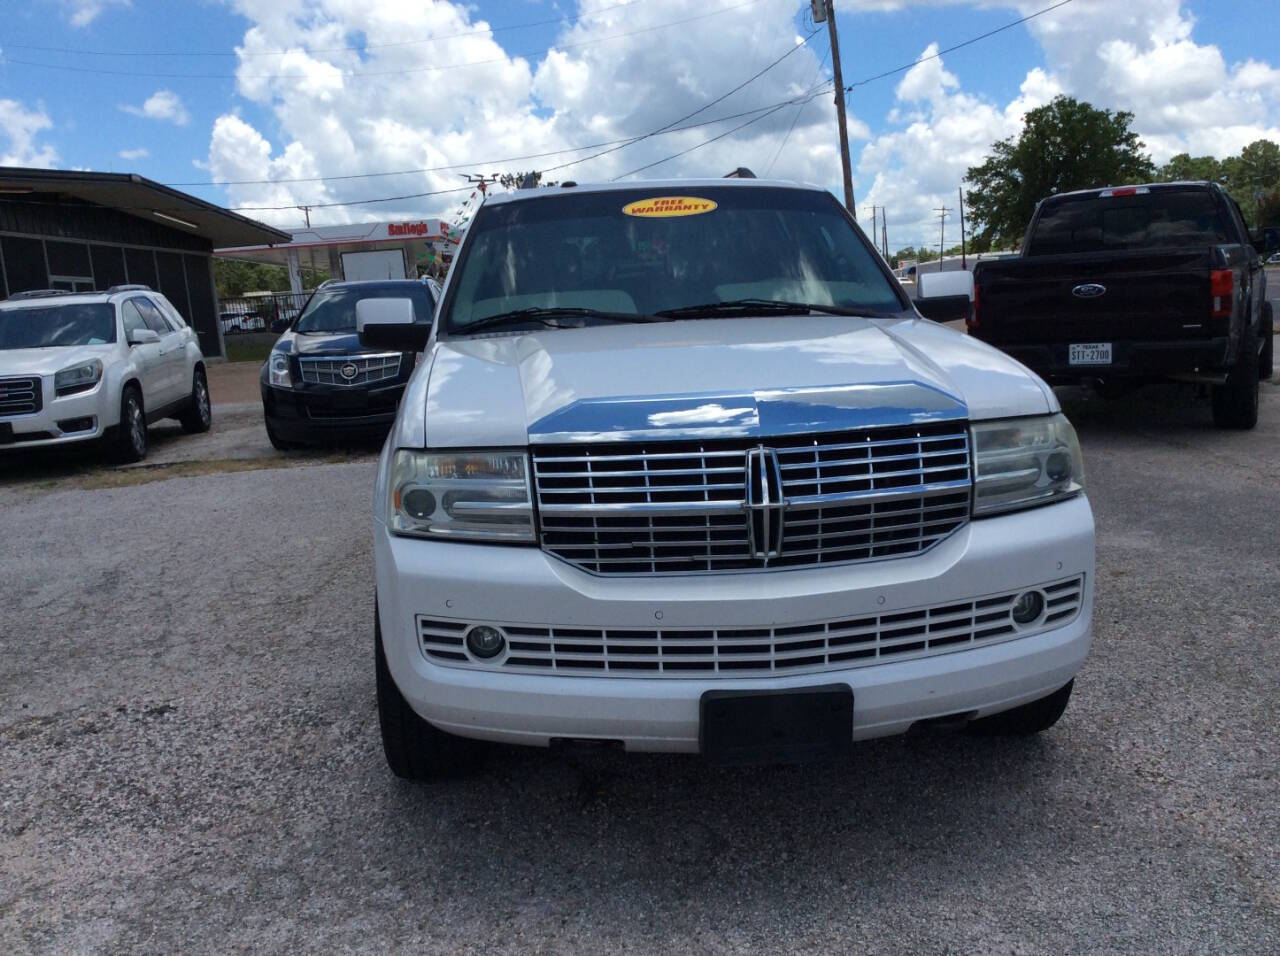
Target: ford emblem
[{"x": 1089, "y": 290}]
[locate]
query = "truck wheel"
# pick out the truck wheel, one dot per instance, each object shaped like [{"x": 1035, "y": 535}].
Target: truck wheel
[
  {"x": 198, "y": 415},
  {"x": 414, "y": 749},
  {"x": 131, "y": 434},
  {"x": 1028, "y": 719},
  {"x": 1235, "y": 404},
  {"x": 1266, "y": 363}
]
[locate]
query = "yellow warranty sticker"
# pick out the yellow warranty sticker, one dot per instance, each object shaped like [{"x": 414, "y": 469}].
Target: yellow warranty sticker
[{"x": 663, "y": 206}]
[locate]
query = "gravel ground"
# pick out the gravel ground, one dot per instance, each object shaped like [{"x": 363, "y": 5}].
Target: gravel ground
[{"x": 189, "y": 757}]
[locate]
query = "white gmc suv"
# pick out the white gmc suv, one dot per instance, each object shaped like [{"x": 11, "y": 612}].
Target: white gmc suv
[
  {"x": 80, "y": 367},
  {"x": 682, "y": 469}
]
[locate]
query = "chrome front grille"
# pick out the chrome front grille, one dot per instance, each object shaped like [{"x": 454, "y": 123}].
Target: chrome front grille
[
  {"x": 20, "y": 396},
  {"x": 350, "y": 369},
  {"x": 731, "y": 505},
  {"x": 855, "y": 641}
]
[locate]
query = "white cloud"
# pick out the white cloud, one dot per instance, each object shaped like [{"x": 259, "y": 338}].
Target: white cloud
[
  {"x": 81, "y": 13},
  {"x": 140, "y": 153},
  {"x": 162, "y": 105},
  {"x": 19, "y": 130},
  {"x": 429, "y": 111}
]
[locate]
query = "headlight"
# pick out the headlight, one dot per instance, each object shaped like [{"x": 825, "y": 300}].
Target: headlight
[
  {"x": 477, "y": 495},
  {"x": 78, "y": 378},
  {"x": 278, "y": 370},
  {"x": 1021, "y": 462}
]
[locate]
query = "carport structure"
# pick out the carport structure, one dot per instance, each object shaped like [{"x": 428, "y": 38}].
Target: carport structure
[
  {"x": 86, "y": 231},
  {"x": 361, "y": 250}
]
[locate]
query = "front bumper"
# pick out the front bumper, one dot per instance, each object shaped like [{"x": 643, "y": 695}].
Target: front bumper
[
  {"x": 323, "y": 414},
  {"x": 61, "y": 420},
  {"x": 524, "y": 586},
  {"x": 1131, "y": 361}
]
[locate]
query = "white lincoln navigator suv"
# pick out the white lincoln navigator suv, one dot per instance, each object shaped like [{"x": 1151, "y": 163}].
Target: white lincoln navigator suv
[
  {"x": 682, "y": 469},
  {"x": 97, "y": 366}
]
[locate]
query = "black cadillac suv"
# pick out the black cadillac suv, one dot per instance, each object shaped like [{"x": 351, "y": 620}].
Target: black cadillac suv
[{"x": 320, "y": 385}]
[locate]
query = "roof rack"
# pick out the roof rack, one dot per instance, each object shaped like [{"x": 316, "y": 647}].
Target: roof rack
[
  {"x": 38, "y": 294},
  {"x": 131, "y": 287}
]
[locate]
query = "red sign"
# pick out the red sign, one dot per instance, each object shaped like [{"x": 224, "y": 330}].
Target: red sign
[{"x": 407, "y": 229}]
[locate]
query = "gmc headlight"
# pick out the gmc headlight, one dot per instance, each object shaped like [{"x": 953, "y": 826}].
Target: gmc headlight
[
  {"x": 467, "y": 495},
  {"x": 78, "y": 378},
  {"x": 1022, "y": 462},
  {"x": 278, "y": 373}
]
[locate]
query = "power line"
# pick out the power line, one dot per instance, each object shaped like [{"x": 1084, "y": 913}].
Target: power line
[
  {"x": 352, "y": 74},
  {"x": 795, "y": 119},
  {"x": 668, "y": 127},
  {"x": 338, "y": 49},
  {"x": 958, "y": 46}
]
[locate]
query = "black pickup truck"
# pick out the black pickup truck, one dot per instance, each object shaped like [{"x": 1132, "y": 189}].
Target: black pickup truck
[{"x": 1135, "y": 284}]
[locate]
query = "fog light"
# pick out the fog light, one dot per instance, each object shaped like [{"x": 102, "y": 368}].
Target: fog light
[
  {"x": 485, "y": 641},
  {"x": 1028, "y": 607}
]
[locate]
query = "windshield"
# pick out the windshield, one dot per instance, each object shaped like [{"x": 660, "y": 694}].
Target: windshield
[
  {"x": 652, "y": 250},
  {"x": 1162, "y": 217},
  {"x": 334, "y": 310},
  {"x": 57, "y": 325}
]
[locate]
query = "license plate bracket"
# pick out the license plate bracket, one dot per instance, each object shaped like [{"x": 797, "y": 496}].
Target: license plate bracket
[
  {"x": 738, "y": 727},
  {"x": 1089, "y": 353}
]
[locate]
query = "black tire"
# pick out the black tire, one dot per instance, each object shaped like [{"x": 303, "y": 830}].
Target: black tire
[
  {"x": 1266, "y": 363},
  {"x": 1032, "y": 718},
  {"x": 1235, "y": 404},
  {"x": 198, "y": 416},
  {"x": 414, "y": 749},
  {"x": 130, "y": 440},
  {"x": 278, "y": 443}
]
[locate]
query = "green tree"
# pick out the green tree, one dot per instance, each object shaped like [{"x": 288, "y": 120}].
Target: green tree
[
  {"x": 1065, "y": 145},
  {"x": 1190, "y": 168},
  {"x": 1251, "y": 175}
]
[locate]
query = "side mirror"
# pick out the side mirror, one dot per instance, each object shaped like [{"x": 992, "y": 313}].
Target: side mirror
[
  {"x": 944, "y": 296},
  {"x": 143, "y": 336},
  {"x": 391, "y": 324}
]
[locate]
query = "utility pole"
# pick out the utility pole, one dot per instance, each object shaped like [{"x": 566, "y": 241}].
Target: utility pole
[
  {"x": 884, "y": 231},
  {"x": 306, "y": 212},
  {"x": 825, "y": 10},
  {"x": 942, "y": 231},
  {"x": 964, "y": 262}
]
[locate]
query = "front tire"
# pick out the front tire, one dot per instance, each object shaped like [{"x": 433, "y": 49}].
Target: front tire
[
  {"x": 414, "y": 749},
  {"x": 131, "y": 433},
  {"x": 198, "y": 416},
  {"x": 1235, "y": 403},
  {"x": 1032, "y": 718}
]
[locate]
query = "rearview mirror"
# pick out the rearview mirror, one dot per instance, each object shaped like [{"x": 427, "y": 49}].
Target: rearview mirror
[
  {"x": 944, "y": 296},
  {"x": 391, "y": 324},
  {"x": 143, "y": 336}
]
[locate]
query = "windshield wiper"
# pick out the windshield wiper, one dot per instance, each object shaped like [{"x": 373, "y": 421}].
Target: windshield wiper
[
  {"x": 736, "y": 307},
  {"x": 548, "y": 316}
]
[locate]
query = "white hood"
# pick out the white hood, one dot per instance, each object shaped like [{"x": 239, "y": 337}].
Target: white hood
[
  {"x": 709, "y": 378},
  {"x": 48, "y": 361}
]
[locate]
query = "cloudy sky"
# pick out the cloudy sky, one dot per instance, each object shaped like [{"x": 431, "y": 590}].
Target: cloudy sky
[{"x": 269, "y": 103}]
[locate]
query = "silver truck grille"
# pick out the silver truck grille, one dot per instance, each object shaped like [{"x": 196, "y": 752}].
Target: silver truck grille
[
  {"x": 801, "y": 648},
  {"x": 350, "y": 369},
  {"x": 20, "y": 396},
  {"x": 688, "y": 507}
]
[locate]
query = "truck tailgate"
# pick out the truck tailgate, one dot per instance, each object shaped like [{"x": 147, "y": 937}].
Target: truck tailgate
[{"x": 1106, "y": 297}]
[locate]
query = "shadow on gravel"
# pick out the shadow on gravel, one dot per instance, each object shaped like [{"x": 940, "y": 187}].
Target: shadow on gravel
[
  {"x": 1173, "y": 410},
  {"x": 671, "y": 828}
]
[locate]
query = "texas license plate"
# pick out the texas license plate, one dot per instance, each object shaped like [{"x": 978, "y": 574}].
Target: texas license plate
[
  {"x": 777, "y": 726},
  {"x": 1089, "y": 353}
]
